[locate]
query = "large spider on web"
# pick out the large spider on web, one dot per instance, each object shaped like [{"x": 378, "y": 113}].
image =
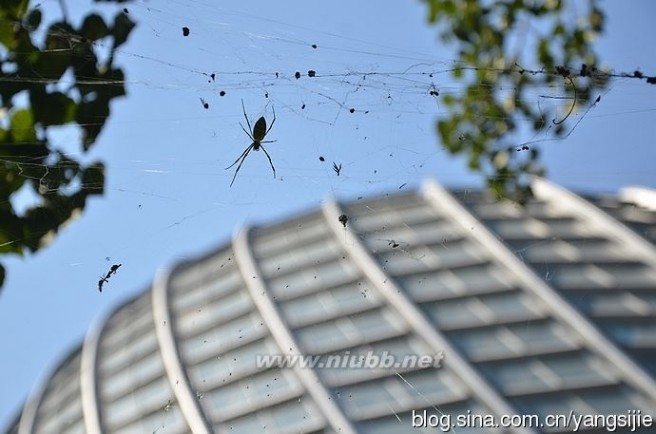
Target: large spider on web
[{"x": 257, "y": 135}]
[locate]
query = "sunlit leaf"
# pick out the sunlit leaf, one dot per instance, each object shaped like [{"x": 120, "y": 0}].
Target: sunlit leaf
[
  {"x": 22, "y": 126},
  {"x": 62, "y": 183},
  {"x": 494, "y": 101}
]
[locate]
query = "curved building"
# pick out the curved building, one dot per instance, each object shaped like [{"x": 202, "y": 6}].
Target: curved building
[{"x": 425, "y": 307}]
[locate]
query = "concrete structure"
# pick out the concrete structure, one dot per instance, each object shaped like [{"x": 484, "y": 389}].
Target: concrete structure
[{"x": 543, "y": 310}]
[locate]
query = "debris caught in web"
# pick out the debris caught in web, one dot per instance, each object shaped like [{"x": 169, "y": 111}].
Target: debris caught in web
[{"x": 112, "y": 270}]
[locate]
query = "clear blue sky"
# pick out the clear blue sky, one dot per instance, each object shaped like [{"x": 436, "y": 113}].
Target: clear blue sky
[{"x": 168, "y": 195}]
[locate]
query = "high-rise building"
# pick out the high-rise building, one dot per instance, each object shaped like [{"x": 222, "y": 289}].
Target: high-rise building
[{"x": 546, "y": 312}]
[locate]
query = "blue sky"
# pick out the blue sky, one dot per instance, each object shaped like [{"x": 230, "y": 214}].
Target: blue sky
[{"x": 168, "y": 196}]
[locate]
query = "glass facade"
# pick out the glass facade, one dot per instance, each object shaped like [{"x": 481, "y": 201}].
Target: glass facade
[{"x": 541, "y": 310}]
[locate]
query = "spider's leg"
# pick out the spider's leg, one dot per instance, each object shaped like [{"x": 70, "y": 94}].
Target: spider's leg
[
  {"x": 250, "y": 136},
  {"x": 247, "y": 121},
  {"x": 240, "y": 163},
  {"x": 270, "y": 162},
  {"x": 272, "y": 122},
  {"x": 243, "y": 155}
]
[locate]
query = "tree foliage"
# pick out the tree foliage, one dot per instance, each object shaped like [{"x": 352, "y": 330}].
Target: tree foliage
[
  {"x": 495, "y": 42},
  {"x": 59, "y": 75}
]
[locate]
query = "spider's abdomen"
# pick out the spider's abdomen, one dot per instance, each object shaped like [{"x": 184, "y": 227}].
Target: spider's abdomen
[{"x": 259, "y": 129}]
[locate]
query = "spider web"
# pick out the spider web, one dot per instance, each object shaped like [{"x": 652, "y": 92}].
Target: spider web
[{"x": 360, "y": 92}]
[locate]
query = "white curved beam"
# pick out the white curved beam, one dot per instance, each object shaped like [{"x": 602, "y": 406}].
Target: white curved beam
[
  {"x": 89, "y": 374},
  {"x": 271, "y": 316},
  {"x": 177, "y": 375},
  {"x": 28, "y": 416},
  {"x": 613, "y": 228},
  {"x": 642, "y": 196},
  {"x": 398, "y": 300},
  {"x": 560, "y": 308}
]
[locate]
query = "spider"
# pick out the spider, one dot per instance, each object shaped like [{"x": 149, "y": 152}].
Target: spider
[{"x": 257, "y": 135}]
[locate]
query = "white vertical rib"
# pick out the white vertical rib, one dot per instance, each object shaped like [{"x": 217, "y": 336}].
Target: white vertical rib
[
  {"x": 611, "y": 227},
  {"x": 184, "y": 394},
  {"x": 271, "y": 316},
  {"x": 642, "y": 196},
  {"x": 397, "y": 299},
  {"x": 28, "y": 417},
  {"x": 560, "y": 308},
  {"x": 89, "y": 376}
]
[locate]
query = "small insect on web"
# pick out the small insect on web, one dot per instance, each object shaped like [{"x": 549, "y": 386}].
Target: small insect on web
[
  {"x": 257, "y": 135},
  {"x": 105, "y": 279}
]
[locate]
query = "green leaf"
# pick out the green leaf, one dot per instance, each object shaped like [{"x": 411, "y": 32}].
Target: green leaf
[
  {"x": 52, "y": 108},
  {"x": 597, "y": 19},
  {"x": 117, "y": 88},
  {"x": 84, "y": 62},
  {"x": 92, "y": 116},
  {"x": 497, "y": 94},
  {"x": 93, "y": 179},
  {"x": 11, "y": 181},
  {"x": 58, "y": 36},
  {"x": 13, "y": 10},
  {"x": 123, "y": 25},
  {"x": 39, "y": 223},
  {"x": 33, "y": 20},
  {"x": 55, "y": 59},
  {"x": 22, "y": 127},
  {"x": 62, "y": 183},
  {"x": 11, "y": 232},
  {"x": 94, "y": 28},
  {"x": 6, "y": 33}
]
